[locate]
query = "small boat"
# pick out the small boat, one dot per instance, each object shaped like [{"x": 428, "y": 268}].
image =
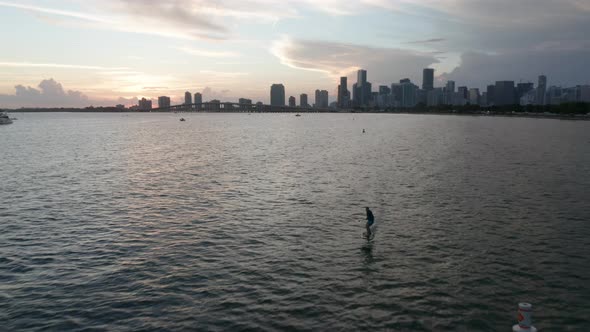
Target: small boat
[
  {"x": 297, "y": 114},
  {"x": 4, "y": 119},
  {"x": 182, "y": 119}
]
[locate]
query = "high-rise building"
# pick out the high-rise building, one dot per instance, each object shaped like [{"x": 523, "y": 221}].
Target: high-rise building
[
  {"x": 292, "y": 102},
  {"x": 428, "y": 79},
  {"x": 449, "y": 93},
  {"x": 474, "y": 97},
  {"x": 198, "y": 101},
  {"x": 321, "y": 99},
  {"x": 491, "y": 95},
  {"x": 396, "y": 94},
  {"x": 584, "y": 94},
  {"x": 504, "y": 93},
  {"x": 318, "y": 99},
  {"x": 361, "y": 91},
  {"x": 434, "y": 97},
  {"x": 145, "y": 104},
  {"x": 303, "y": 100},
  {"x": 343, "y": 93},
  {"x": 409, "y": 93},
  {"x": 541, "y": 90},
  {"x": 188, "y": 98},
  {"x": 163, "y": 102},
  {"x": 277, "y": 95}
]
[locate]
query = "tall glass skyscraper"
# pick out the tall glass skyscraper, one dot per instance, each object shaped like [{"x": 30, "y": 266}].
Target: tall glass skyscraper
[
  {"x": 428, "y": 79},
  {"x": 277, "y": 95}
]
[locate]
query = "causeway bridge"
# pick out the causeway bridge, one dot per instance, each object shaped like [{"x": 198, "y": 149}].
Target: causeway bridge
[{"x": 240, "y": 108}]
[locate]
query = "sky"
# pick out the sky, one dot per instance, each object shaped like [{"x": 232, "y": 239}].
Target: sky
[{"x": 77, "y": 53}]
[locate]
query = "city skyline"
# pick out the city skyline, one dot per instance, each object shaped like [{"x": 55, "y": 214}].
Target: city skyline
[{"x": 106, "y": 53}]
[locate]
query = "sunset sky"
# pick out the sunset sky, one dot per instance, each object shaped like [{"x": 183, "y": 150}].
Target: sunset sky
[{"x": 103, "y": 52}]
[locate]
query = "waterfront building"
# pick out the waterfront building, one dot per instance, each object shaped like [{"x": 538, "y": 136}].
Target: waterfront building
[
  {"x": 396, "y": 95},
  {"x": 292, "y": 102},
  {"x": 491, "y": 95},
  {"x": 361, "y": 92},
  {"x": 303, "y": 100},
  {"x": 188, "y": 98},
  {"x": 145, "y": 104},
  {"x": 541, "y": 90},
  {"x": 428, "y": 79},
  {"x": 245, "y": 101},
  {"x": 463, "y": 91},
  {"x": 198, "y": 100},
  {"x": 434, "y": 97},
  {"x": 409, "y": 93},
  {"x": 321, "y": 99},
  {"x": 449, "y": 93},
  {"x": 164, "y": 102},
  {"x": 584, "y": 94},
  {"x": 474, "y": 97},
  {"x": 504, "y": 93},
  {"x": 343, "y": 93},
  {"x": 215, "y": 105},
  {"x": 277, "y": 95}
]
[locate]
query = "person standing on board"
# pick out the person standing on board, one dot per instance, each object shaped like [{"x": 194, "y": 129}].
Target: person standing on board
[{"x": 370, "y": 221}]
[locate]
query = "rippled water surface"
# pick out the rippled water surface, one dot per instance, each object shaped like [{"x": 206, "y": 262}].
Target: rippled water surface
[{"x": 120, "y": 222}]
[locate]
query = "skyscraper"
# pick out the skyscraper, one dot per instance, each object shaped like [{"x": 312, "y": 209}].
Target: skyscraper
[
  {"x": 491, "y": 95},
  {"x": 474, "y": 97},
  {"x": 188, "y": 98},
  {"x": 504, "y": 93},
  {"x": 163, "y": 102},
  {"x": 361, "y": 90},
  {"x": 321, "y": 99},
  {"x": 428, "y": 79},
  {"x": 145, "y": 104},
  {"x": 292, "y": 102},
  {"x": 303, "y": 100},
  {"x": 449, "y": 93},
  {"x": 343, "y": 94},
  {"x": 277, "y": 95},
  {"x": 408, "y": 93},
  {"x": 198, "y": 100},
  {"x": 541, "y": 90}
]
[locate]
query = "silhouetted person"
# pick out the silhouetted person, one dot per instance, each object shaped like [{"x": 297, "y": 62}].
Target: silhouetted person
[
  {"x": 363, "y": 131},
  {"x": 370, "y": 221}
]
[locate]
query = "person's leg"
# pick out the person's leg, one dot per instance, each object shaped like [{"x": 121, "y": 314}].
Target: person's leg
[{"x": 368, "y": 230}]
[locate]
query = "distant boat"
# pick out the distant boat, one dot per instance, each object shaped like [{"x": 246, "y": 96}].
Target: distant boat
[
  {"x": 4, "y": 119},
  {"x": 297, "y": 114},
  {"x": 182, "y": 119}
]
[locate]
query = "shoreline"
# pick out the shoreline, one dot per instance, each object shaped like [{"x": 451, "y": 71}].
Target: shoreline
[{"x": 577, "y": 117}]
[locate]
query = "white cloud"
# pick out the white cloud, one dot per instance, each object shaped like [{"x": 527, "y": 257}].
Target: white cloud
[
  {"x": 56, "y": 65},
  {"x": 207, "y": 53},
  {"x": 49, "y": 93}
]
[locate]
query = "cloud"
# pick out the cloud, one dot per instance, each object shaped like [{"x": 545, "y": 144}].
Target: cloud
[
  {"x": 561, "y": 67},
  {"x": 207, "y": 53},
  {"x": 210, "y": 94},
  {"x": 56, "y": 65},
  {"x": 384, "y": 65},
  {"x": 49, "y": 93},
  {"x": 426, "y": 41}
]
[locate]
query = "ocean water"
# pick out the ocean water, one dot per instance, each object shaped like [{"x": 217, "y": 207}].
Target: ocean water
[{"x": 229, "y": 222}]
